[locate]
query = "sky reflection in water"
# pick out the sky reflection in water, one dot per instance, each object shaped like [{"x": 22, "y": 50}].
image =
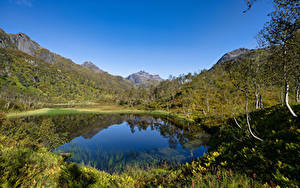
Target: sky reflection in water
[{"x": 142, "y": 141}]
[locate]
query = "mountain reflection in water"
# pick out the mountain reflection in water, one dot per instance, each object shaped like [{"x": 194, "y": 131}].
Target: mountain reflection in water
[{"x": 111, "y": 142}]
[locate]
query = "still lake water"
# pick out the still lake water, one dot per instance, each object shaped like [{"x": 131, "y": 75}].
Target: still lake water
[{"x": 112, "y": 142}]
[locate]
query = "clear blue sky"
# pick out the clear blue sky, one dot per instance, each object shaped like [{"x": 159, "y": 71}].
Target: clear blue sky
[{"x": 125, "y": 36}]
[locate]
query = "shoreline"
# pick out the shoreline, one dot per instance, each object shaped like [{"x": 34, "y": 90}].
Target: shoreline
[{"x": 106, "y": 109}]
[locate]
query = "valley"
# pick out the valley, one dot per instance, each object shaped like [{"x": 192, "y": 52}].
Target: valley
[{"x": 74, "y": 124}]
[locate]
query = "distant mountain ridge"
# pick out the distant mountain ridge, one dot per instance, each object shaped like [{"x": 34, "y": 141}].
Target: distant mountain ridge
[{"x": 144, "y": 78}]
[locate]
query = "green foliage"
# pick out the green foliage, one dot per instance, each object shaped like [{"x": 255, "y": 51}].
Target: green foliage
[
  {"x": 27, "y": 82},
  {"x": 24, "y": 167},
  {"x": 275, "y": 159}
]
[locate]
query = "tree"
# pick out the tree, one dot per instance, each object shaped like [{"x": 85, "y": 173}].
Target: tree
[
  {"x": 249, "y": 4},
  {"x": 281, "y": 36},
  {"x": 243, "y": 76}
]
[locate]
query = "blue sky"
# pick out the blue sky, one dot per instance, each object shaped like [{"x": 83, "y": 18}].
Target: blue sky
[{"x": 125, "y": 36}]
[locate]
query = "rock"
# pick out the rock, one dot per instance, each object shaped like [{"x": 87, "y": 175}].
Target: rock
[
  {"x": 36, "y": 79},
  {"x": 24, "y": 44},
  {"x": 45, "y": 55}
]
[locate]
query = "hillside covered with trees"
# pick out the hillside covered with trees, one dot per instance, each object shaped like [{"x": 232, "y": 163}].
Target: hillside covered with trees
[{"x": 32, "y": 76}]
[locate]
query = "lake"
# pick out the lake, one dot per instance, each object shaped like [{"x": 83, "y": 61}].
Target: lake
[{"x": 112, "y": 142}]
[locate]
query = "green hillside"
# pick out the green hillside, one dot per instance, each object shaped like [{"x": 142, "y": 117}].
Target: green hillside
[{"x": 31, "y": 75}]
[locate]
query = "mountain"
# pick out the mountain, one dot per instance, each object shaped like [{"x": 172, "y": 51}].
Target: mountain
[
  {"x": 143, "y": 78},
  {"x": 233, "y": 55},
  {"x": 32, "y": 74},
  {"x": 92, "y": 66},
  {"x": 22, "y": 42}
]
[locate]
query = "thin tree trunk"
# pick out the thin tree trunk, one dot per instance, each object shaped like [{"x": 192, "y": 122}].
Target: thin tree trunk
[
  {"x": 287, "y": 100},
  {"x": 281, "y": 97},
  {"x": 233, "y": 113},
  {"x": 256, "y": 101},
  {"x": 8, "y": 105},
  {"x": 297, "y": 94},
  {"x": 247, "y": 117},
  {"x": 257, "y": 91},
  {"x": 207, "y": 103},
  {"x": 204, "y": 112},
  {"x": 261, "y": 106},
  {"x": 168, "y": 106},
  {"x": 236, "y": 122}
]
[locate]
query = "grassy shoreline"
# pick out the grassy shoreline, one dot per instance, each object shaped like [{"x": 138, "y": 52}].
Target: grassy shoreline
[
  {"x": 101, "y": 109},
  {"x": 104, "y": 109}
]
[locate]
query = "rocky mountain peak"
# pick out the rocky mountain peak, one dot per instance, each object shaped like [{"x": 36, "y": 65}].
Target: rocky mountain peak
[
  {"x": 233, "y": 55},
  {"x": 92, "y": 66},
  {"x": 143, "y": 77},
  {"x": 22, "y": 42}
]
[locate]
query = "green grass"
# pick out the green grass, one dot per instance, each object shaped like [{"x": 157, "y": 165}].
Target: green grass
[
  {"x": 44, "y": 111},
  {"x": 105, "y": 109}
]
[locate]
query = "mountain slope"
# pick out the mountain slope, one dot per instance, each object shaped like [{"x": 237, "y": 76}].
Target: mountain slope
[
  {"x": 212, "y": 93},
  {"x": 31, "y": 74}
]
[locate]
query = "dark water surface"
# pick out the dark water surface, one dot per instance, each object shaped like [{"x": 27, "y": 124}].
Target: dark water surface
[
  {"x": 111, "y": 142},
  {"x": 134, "y": 140}
]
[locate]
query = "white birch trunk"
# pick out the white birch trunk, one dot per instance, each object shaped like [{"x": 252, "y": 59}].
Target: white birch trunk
[
  {"x": 256, "y": 96},
  {"x": 236, "y": 122},
  {"x": 297, "y": 94},
  {"x": 287, "y": 100},
  {"x": 247, "y": 117}
]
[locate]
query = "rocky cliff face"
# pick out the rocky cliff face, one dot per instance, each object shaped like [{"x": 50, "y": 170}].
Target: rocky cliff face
[
  {"x": 22, "y": 42},
  {"x": 143, "y": 77},
  {"x": 92, "y": 66},
  {"x": 233, "y": 55},
  {"x": 5, "y": 41}
]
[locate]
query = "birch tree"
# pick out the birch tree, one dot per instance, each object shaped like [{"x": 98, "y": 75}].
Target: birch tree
[
  {"x": 280, "y": 34},
  {"x": 242, "y": 76}
]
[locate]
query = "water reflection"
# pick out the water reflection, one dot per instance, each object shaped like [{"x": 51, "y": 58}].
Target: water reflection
[{"x": 112, "y": 142}]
